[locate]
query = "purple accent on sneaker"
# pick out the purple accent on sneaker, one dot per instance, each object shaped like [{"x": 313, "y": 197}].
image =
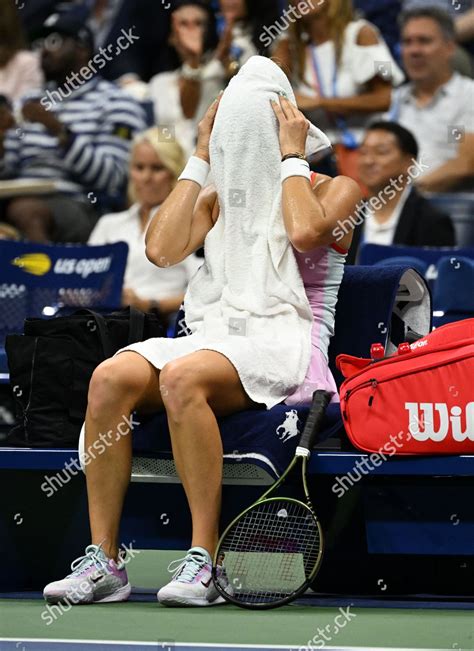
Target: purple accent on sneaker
[{"x": 120, "y": 573}]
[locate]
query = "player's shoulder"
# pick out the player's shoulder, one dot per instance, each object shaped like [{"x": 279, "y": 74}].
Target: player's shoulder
[{"x": 340, "y": 183}]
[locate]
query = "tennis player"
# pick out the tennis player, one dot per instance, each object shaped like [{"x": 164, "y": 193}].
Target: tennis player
[{"x": 196, "y": 387}]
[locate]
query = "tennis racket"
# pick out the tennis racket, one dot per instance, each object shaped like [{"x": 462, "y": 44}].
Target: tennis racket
[{"x": 272, "y": 551}]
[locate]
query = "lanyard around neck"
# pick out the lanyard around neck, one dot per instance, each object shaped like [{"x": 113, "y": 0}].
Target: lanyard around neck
[
  {"x": 348, "y": 138},
  {"x": 318, "y": 76}
]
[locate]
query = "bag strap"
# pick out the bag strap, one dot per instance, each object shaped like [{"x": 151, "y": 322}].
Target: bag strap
[
  {"x": 103, "y": 332},
  {"x": 136, "y": 328}
]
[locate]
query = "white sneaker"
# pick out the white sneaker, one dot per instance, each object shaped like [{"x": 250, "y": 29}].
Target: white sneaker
[
  {"x": 192, "y": 583},
  {"x": 94, "y": 579}
]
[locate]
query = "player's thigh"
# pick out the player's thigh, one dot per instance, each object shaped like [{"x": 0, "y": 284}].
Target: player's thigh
[{"x": 212, "y": 373}]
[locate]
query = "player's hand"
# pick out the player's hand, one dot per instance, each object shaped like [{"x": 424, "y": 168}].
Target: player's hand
[
  {"x": 205, "y": 130},
  {"x": 293, "y": 127}
]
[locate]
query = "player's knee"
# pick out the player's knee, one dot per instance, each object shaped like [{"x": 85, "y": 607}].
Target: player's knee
[
  {"x": 180, "y": 386},
  {"x": 111, "y": 383}
]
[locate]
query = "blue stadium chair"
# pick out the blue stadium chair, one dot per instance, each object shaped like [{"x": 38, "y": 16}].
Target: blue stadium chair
[
  {"x": 400, "y": 261},
  {"x": 36, "y": 280},
  {"x": 371, "y": 254},
  {"x": 453, "y": 297}
]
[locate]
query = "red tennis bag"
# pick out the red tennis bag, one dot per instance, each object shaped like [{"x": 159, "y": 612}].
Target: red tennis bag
[{"x": 418, "y": 401}]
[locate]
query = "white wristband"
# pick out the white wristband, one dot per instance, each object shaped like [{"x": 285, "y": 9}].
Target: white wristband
[
  {"x": 295, "y": 167},
  {"x": 196, "y": 170}
]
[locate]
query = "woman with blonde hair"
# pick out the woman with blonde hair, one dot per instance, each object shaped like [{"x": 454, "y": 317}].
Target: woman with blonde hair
[
  {"x": 156, "y": 162},
  {"x": 342, "y": 70}
]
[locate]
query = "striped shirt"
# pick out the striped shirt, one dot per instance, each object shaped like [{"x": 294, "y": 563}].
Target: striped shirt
[{"x": 102, "y": 120}]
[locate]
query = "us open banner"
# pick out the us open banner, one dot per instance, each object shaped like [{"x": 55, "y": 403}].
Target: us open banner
[{"x": 36, "y": 280}]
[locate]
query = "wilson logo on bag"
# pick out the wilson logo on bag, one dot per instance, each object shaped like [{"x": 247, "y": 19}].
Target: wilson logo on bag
[
  {"x": 422, "y": 417},
  {"x": 422, "y": 397}
]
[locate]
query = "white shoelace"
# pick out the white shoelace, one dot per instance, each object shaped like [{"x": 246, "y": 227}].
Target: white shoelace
[
  {"x": 187, "y": 567},
  {"x": 91, "y": 557}
]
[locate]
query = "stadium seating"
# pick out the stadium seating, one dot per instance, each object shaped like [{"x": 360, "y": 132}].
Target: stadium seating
[
  {"x": 410, "y": 261},
  {"x": 374, "y": 253},
  {"x": 419, "y": 258}
]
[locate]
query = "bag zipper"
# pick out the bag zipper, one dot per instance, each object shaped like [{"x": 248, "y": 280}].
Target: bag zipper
[
  {"x": 25, "y": 415},
  {"x": 375, "y": 383},
  {"x": 414, "y": 355}
]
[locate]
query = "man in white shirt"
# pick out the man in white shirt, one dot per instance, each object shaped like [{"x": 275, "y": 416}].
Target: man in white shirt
[
  {"x": 436, "y": 104},
  {"x": 395, "y": 213}
]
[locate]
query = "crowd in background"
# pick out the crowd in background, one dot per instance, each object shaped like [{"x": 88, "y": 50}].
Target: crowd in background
[{"x": 101, "y": 100}]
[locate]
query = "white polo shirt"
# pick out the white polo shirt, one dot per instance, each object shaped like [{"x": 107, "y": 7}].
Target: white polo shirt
[
  {"x": 438, "y": 126},
  {"x": 146, "y": 279},
  {"x": 376, "y": 233}
]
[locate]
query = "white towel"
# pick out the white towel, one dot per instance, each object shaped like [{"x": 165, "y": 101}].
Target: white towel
[{"x": 248, "y": 301}]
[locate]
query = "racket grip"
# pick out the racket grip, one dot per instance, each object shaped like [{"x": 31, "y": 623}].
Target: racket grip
[{"x": 315, "y": 418}]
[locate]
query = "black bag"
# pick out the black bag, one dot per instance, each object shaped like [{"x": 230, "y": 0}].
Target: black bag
[{"x": 51, "y": 366}]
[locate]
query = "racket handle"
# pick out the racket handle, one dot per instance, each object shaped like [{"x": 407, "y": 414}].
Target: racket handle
[{"x": 315, "y": 418}]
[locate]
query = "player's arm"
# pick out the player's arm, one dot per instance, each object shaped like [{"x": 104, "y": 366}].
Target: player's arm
[
  {"x": 181, "y": 224},
  {"x": 311, "y": 216}
]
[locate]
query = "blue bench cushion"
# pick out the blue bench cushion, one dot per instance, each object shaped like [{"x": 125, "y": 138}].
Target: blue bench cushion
[{"x": 268, "y": 437}]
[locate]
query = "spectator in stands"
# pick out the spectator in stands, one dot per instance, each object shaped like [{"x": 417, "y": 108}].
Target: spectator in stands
[
  {"x": 150, "y": 22},
  {"x": 20, "y": 69},
  {"x": 342, "y": 69},
  {"x": 241, "y": 22},
  {"x": 395, "y": 212},
  {"x": 77, "y": 135},
  {"x": 204, "y": 63},
  {"x": 437, "y": 103},
  {"x": 463, "y": 16},
  {"x": 181, "y": 95},
  {"x": 156, "y": 162}
]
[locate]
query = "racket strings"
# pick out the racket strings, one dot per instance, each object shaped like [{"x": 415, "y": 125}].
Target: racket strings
[{"x": 271, "y": 551}]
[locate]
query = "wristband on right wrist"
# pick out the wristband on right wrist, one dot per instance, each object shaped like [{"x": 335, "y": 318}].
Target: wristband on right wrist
[
  {"x": 295, "y": 167},
  {"x": 196, "y": 170}
]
